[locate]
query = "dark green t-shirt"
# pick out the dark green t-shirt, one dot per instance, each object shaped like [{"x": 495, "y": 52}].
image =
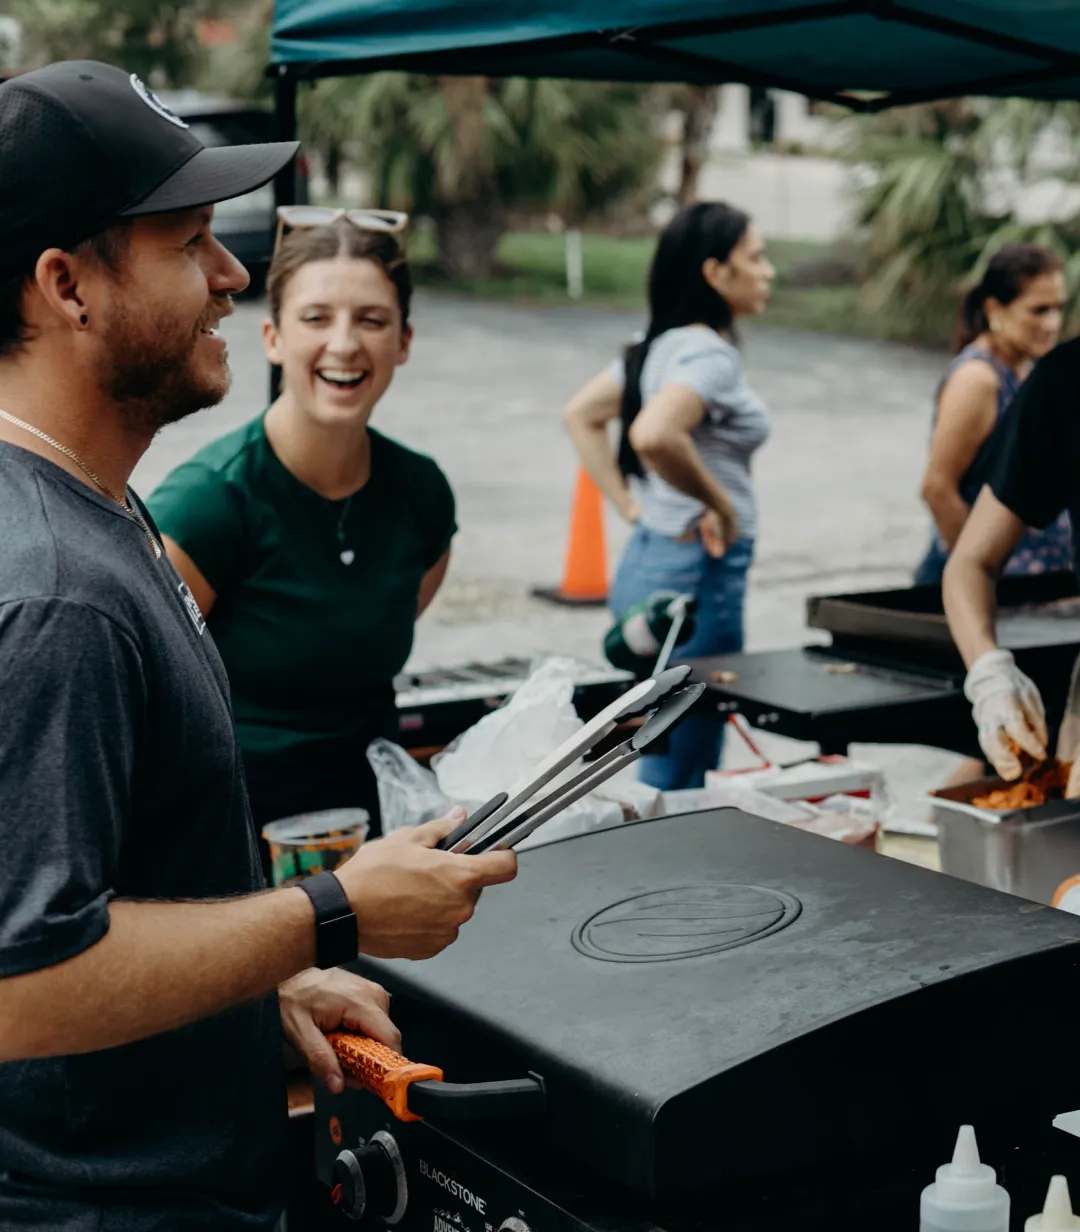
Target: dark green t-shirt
[{"x": 316, "y": 599}]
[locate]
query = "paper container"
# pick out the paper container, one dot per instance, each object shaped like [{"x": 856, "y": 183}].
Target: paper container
[{"x": 311, "y": 843}]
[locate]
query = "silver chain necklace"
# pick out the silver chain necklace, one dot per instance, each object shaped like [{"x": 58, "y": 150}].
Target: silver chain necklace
[
  {"x": 122, "y": 501},
  {"x": 346, "y": 554}
]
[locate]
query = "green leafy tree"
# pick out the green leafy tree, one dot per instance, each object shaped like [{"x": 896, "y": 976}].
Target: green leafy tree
[
  {"x": 467, "y": 151},
  {"x": 158, "y": 39},
  {"x": 697, "y": 108},
  {"x": 238, "y": 69},
  {"x": 326, "y": 108},
  {"x": 328, "y": 122}
]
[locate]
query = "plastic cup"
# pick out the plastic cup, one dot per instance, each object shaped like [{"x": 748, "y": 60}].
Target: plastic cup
[{"x": 311, "y": 843}]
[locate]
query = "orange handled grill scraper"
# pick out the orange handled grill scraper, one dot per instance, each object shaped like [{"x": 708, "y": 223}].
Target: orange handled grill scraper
[
  {"x": 381, "y": 1070},
  {"x": 413, "y": 1091}
]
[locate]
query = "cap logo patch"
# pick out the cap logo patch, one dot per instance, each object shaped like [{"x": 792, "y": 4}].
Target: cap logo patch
[{"x": 154, "y": 103}]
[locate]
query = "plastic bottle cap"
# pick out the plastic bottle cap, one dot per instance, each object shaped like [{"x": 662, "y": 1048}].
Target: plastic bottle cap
[
  {"x": 966, "y": 1181},
  {"x": 1057, "y": 1215},
  {"x": 965, "y": 1196}
]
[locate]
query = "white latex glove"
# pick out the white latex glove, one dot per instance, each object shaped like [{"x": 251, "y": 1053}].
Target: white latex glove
[
  {"x": 1068, "y": 745},
  {"x": 1008, "y": 712}
]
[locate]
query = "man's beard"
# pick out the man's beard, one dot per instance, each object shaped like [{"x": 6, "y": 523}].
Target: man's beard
[{"x": 151, "y": 374}]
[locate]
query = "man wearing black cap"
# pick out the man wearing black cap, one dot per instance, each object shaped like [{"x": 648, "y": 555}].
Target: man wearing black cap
[{"x": 141, "y": 1077}]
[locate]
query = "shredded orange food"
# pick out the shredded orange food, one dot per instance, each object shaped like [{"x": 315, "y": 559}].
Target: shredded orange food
[{"x": 1041, "y": 782}]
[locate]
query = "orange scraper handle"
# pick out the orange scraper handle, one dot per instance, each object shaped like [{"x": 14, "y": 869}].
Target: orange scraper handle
[{"x": 381, "y": 1070}]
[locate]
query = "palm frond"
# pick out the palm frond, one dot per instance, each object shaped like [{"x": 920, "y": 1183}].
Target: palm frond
[{"x": 929, "y": 210}]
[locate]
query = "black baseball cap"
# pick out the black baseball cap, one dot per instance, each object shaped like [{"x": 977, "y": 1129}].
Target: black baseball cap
[{"x": 83, "y": 145}]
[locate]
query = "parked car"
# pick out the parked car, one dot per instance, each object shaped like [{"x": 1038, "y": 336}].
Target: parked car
[{"x": 245, "y": 225}]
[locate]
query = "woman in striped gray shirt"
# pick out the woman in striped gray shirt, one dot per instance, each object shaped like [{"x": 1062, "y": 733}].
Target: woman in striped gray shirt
[{"x": 690, "y": 425}]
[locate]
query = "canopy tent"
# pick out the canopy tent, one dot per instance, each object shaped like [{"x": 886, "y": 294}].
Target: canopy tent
[
  {"x": 866, "y": 54},
  {"x": 863, "y": 54}
]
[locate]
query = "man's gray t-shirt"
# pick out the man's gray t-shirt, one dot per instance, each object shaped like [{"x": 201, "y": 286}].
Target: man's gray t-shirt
[
  {"x": 120, "y": 777},
  {"x": 736, "y": 423}
]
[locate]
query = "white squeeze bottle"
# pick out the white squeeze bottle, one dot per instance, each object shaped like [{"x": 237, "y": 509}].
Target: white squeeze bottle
[
  {"x": 965, "y": 1197},
  {"x": 1057, "y": 1215}
]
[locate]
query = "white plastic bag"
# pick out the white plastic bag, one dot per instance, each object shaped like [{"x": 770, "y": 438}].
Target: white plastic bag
[
  {"x": 733, "y": 793},
  {"x": 639, "y": 801},
  {"x": 506, "y": 744},
  {"x": 509, "y": 743},
  {"x": 409, "y": 795},
  {"x": 589, "y": 813},
  {"x": 847, "y": 819}
]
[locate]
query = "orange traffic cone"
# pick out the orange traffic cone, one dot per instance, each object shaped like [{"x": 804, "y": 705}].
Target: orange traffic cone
[{"x": 584, "y": 581}]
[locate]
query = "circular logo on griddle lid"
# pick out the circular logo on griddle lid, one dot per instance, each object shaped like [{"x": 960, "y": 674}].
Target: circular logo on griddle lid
[{"x": 684, "y": 922}]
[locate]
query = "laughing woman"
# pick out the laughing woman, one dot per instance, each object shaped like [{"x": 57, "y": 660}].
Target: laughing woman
[{"x": 310, "y": 541}]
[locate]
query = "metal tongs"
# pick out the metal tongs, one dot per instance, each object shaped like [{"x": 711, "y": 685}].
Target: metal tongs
[{"x": 513, "y": 815}]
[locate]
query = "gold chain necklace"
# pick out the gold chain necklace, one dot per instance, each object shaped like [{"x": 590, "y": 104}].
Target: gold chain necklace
[{"x": 122, "y": 501}]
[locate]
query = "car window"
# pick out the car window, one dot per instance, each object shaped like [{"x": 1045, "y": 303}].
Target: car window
[
  {"x": 208, "y": 134},
  {"x": 254, "y": 209},
  {"x": 259, "y": 204},
  {"x": 243, "y": 128}
]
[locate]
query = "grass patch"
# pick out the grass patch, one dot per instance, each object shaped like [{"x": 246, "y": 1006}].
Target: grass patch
[
  {"x": 821, "y": 310},
  {"x": 532, "y": 270}
]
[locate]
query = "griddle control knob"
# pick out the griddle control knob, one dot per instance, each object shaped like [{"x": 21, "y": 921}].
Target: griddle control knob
[
  {"x": 350, "y": 1190},
  {"x": 513, "y": 1224},
  {"x": 370, "y": 1179}
]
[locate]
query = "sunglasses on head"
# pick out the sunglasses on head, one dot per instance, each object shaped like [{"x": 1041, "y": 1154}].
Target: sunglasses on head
[{"x": 307, "y": 217}]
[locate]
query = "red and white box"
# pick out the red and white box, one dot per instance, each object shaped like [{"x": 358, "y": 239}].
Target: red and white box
[{"x": 812, "y": 780}]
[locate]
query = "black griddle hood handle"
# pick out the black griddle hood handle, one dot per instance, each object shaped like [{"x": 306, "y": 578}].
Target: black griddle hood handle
[
  {"x": 413, "y": 1091},
  {"x": 478, "y": 1101}
]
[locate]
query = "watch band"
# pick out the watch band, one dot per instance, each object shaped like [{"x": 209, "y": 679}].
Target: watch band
[{"x": 337, "y": 938}]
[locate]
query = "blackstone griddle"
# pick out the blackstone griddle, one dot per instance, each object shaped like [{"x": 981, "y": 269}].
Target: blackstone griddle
[
  {"x": 707, "y": 1021},
  {"x": 891, "y": 673}
]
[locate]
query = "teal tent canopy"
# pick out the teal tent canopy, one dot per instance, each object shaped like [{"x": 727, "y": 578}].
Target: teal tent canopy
[{"x": 867, "y": 54}]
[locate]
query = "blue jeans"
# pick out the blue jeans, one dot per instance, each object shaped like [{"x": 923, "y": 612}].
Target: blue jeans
[{"x": 655, "y": 562}]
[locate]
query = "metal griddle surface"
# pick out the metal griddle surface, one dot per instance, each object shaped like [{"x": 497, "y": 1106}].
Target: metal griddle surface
[
  {"x": 1034, "y": 613},
  {"x": 711, "y": 994},
  {"x": 807, "y": 680}
]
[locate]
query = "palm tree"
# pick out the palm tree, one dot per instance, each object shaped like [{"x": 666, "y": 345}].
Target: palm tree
[
  {"x": 325, "y": 108},
  {"x": 466, "y": 151},
  {"x": 929, "y": 214},
  {"x": 432, "y": 145},
  {"x": 698, "y": 107}
]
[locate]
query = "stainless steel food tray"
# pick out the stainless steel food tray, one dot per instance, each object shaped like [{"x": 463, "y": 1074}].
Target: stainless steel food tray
[{"x": 1028, "y": 852}]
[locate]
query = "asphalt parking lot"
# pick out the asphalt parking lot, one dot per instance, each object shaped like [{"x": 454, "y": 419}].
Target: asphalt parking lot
[{"x": 483, "y": 393}]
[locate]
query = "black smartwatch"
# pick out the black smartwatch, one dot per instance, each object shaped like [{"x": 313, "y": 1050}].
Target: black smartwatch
[{"x": 337, "y": 939}]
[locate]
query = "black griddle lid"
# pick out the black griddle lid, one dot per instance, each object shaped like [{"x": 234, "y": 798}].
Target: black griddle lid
[{"x": 706, "y": 995}]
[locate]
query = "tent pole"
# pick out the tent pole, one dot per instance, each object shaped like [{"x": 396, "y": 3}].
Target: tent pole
[
  {"x": 285, "y": 113},
  {"x": 285, "y": 180}
]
